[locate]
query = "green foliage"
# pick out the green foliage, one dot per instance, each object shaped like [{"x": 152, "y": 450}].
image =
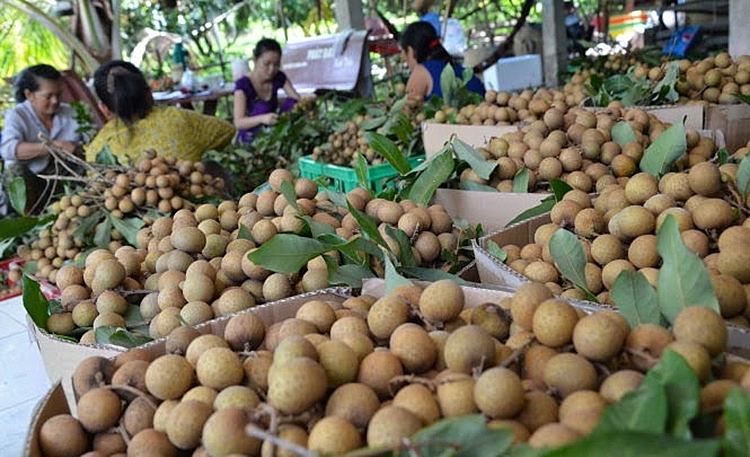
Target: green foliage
[
  {"x": 634, "y": 91},
  {"x": 636, "y": 299},
  {"x": 661, "y": 155},
  {"x": 35, "y": 303},
  {"x": 567, "y": 252}
]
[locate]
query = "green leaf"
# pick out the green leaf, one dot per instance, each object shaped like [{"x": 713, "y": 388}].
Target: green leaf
[
  {"x": 244, "y": 233},
  {"x": 683, "y": 279},
  {"x": 392, "y": 278},
  {"x": 635, "y": 299},
  {"x": 475, "y": 186},
  {"x": 317, "y": 228},
  {"x": 664, "y": 151},
  {"x": 287, "y": 253},
  {"x": 14, "y": 227},
  {"x": 737, "y": 416},
  {"x": 683, "y": 392},
  {"x": 133, "y": 316},
  {"x": 545, "y": 206},
  {"x": 635, "y": 443},
  {"x": 338, "y": 198},
  {"x": 103, "y": 233},
  {"x": 431, "y": 274},
  {"x": 105, "y": 157},
  {"x": 622, "y": 133},
  {"x": 35, "y": 303},
  {"x": 367, "y": 225},
  {"x": 448, "y": 84},
  {"x": 119, "y": 336},
  {"x": 361, "y": 170},
  {"x": 559, "y": 188},
  {"x": 743, "y": 176},
  {"x": 349, "y": 275},
  {"x": 372, "y": 124},
  {"x": 287, "y": 190},
  {"x": 496, "y": 251},
  {"x": 388, "y": 149},
  {"x": 481, "y": 166},
  {"x": 468, "y": 434},
  {"x": 87, "y": 224},
  {"x": 521, "y": 181},
  {"x": 722, "y": 156},
  {"x": 17, "y": 194},
  {"x": 423, "y": 188},
  {"x": 642, "y": 410},
  {"x": 128, "y": 228},
  {"x": 405, "y": 255},
  {"x": 570, "y": 258}
]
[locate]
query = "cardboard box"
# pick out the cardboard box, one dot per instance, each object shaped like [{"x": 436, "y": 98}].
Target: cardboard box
[
  {"x": 733, "y": 121},
  {"x": 491, "y": 209},
  {"x": 693, "y": 114},
  {"x": 514, "y": 73},
  {"x": 434, "y": 135},
  {"x": 493, "y": 271},
  {"x": 61, "y": 357}
]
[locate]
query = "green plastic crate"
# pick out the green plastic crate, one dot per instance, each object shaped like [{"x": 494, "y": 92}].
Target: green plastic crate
[{"x": 344, "y": 179}]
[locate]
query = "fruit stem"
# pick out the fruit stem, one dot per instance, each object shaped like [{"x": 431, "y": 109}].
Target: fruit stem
[
  {"x": 517, "y": 353},
  {"x": 257, "y": 432},
  {"x": 132, "y": 390}
]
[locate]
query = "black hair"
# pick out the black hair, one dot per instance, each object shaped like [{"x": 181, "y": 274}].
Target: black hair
[
  {"x": 30, "y": 77},
  {"x": 266, "y": 45},
  {"x": 124, "y": 90},
  {"x": 423, "y": 38}
]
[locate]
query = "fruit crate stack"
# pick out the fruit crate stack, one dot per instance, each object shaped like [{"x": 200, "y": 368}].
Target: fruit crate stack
[{"x": 344, "y": 179}]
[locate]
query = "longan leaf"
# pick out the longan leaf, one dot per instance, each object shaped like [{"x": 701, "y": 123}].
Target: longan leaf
[
  {"x": 642, "y": 410},
  {"x": 105, "y": 157},
  {"x": 287, "y": 190},
  {"x": 635, "y": 299},
  {"x": 683, "y": 392},
  {"x": 622, "y": 133},
  {"x": 569, "y": 256},
  {"x": 129, "y": 228},
  {"x": 360, "y": 170},
  {"x": 471, "y": 185},
  {"x": 17, "y": 226},
  {"x": 17, "y": 194},
  {"x": 367, "y": 225},
  {"x": 467, "y": 435},
  {"x": 244, "y": 233},
  {"x": 521, "y": 181},
  {"x": 317, "y": 228},
  {"x": 683, "y": 279},
  {"x": 743, "y": 176},
  {"x": 133, "y": 316},
  {"x": 392, "y": 278},
  {"x": 389, "y": 150},
  {"x": 405, "y": 254},
  {"x": 431, "y": 274},
  {"x": 496, "y": 251},
  {"x": 665, "y": 150},
  {"x": 436, "y": 171},
  {"x": 641, "y": 444},
  {"x": 119, "y": 337},
  {"x": 349, "y": 275},
  {"x": 103, "y": 233},
  {"x": 545, "y": 206},
  {"x": 482, "y": 167},
  {"x": 559, "y": 188},
  {"x": 35, "y": 303},
  {"x": 287, "y": 253},
  {"x": 737, "y": 417}
]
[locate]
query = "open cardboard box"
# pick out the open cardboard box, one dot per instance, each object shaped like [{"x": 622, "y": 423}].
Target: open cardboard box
[
  {"x": 435, "y": 135},
  {"x": 55, "y": 401},
  {"x": 692, "y": 114},
  {"x": 733, "y": 121}
]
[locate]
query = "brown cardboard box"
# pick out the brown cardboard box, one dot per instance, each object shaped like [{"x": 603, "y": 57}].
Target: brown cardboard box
[
  {"x": 434, "y": 135},
  {"x": 693, "y": 114},
  {"x": 733, "y": 121}
]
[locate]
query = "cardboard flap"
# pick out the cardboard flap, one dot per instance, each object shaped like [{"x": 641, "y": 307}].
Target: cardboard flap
[
  {"x": 434, "y": 135},
  {"x": 51, "y": 405}
]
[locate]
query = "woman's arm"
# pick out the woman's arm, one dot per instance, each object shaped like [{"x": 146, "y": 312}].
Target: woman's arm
[
  {"x": 419, "y": 83},
  {"x": 14, "y": 136},
  {"x": 244, "y": 122},
  {"x": 290, "y": 91}
]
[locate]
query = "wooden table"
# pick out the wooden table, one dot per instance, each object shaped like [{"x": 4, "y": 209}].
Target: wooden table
[{"x": 209, "y": 98}]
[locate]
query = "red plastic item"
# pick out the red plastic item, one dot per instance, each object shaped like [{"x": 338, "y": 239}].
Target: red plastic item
[{"x": 12, "y": 288}]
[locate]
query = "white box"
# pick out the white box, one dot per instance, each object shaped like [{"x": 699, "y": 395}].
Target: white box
[{"x": 514, "y": 73}]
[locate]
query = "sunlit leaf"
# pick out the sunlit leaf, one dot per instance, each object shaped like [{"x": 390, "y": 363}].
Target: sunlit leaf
[
  {"x": 392, "y": 278},
  {"x": 423, "y": 188},
  {"x": 544, "y": 207},
  {"x": 743, "y": 176},
  {"x": 521, "y": 181},
  {"x": 287, "y": 253},
  {"x": 642, "y": 410},
  {"x": 496, "y": 251},
  {"x": 622, "y": 134},
  {"x": 570, "y": 258},
  {"x": 388, "y": 149}
]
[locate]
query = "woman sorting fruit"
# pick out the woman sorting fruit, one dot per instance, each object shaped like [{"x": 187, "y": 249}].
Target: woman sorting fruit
[
  {"x": 426, "y": 58},
  {"x": 39, "y": 113},
  {"x": 136, "y": 126},
  {"x": 256, "y": 101}
]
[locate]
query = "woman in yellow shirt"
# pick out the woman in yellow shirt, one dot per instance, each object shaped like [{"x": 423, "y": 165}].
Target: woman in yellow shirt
[{"x": 135, "y": 125}]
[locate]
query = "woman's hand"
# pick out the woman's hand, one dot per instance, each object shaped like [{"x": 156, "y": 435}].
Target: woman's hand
[
  {"x": 270, "y": 118},
  {"x": 67, "y": 146}
]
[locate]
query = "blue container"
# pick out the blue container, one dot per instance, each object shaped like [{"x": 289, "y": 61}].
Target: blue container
[{"x": 681, "y": 41}]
